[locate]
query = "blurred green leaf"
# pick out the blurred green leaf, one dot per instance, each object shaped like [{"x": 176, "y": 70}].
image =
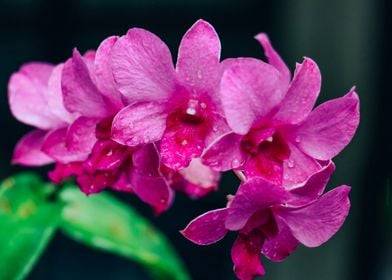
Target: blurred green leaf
[
  {"x": 27, "y": 221},
  {"x": 103, "y": 222}
]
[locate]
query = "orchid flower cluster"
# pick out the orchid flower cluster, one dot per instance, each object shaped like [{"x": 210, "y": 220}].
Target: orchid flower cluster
[{"x": 124, "y": 117}]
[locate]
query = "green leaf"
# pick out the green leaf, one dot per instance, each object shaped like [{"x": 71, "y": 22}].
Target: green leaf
[
  {"x": 103, "y": 222},
  {"x": 27, "y": 221}
]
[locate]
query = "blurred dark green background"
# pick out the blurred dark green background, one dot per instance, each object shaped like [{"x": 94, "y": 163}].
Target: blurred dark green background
[{"x": 349, "y": 39}]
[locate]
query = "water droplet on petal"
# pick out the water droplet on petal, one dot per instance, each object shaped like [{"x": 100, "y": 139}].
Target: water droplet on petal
[
  {"x": 290, "y": 163},
  {"x": 235, "y": 162},
  {"x": 298, "y": 139},
  {"x": 199, "y": 74}
]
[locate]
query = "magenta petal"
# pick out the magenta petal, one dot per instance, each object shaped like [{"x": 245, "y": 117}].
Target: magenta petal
[
  {"x": 301, "y": 94},
  {"x": 207, "y": 228},
  {"x": 200, "y": 179},
  {"x": 152, "y": 190},
  {"x": 139, "y": 123},
  {"x": 274, "y": 58},
  {"x": 250, "y": 89},
  {"x": 298, "y": 167},
  {"x": 103, "y": 71},
  {"x": 81, "y": 136},
  {"x": 54, "y": 95},
  {"x": 330, "y": 127},
  {"x": 315, "y": 224},
  {"x": 314, "y": 186},
  {"x": 254, "y": 195},
  {"x": 245, "y": 254},
  {"x": 225, "y": 153},
  {"x": 26, "y": 94},
  {"x": 282, "y": 245},
  {"x": 28, "y": 150},
  {"x": 142, "y": 67},
  {"x": 55, "y": 145},
  {"x": 79, "y": 91},
  {"x": 198, "y": 58},
  {"x": 177, "y": 153},
  {"x": 148, "y": 184}
]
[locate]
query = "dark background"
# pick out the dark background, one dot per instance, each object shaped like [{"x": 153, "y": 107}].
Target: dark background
[{"x": 349, "y": 39}]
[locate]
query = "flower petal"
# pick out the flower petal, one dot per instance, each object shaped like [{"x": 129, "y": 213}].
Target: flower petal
[
  {"x": 274, "y": 58},
  {"x": 312, "y": 189},
  {"x": 245, "y": 254},
  {"x": 298, "y": 167},
  {"x": 28, "y": 150},
  {"x": 249, "y": 89},
  {"x": 330, "y": 127},
  {"x": 103, "y": 71},
  {"x": 208, "y": 228},
  {"x": 142, "y": 67},
  {"x": 55, "y": 145},
  {"x": 254, "y": 195},
  {"x": 180, "y": 144},
  {"x": 315, "y": 224},
  {"x": 79, "y": 91},
  {"x": 139, "y": 123},
  {"x": 26, "y": 96},
  {"x": 199, "y": 178},
  {"x": 282, "y": 245},
  {"x": 198, "y": 58},
  {"x": 81, "y": 137},
  {"x": 225, "y": 153},
  {"x": 54, "y": 95},
  {"x": 147, "y": 182},
  {"x": 301, "y": 94}
]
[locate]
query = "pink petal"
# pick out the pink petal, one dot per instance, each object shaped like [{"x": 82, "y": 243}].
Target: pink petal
[
  {"x": 64, "y": 171},
  {"x": 274, "y": 58},
  {"x": 55, "y": 145},
  {"x": 298, "y": 167},
  {"x": 245, "y": 254},
  {"x": 103, "y": 71},
  {"x": 282, "y": 245},
  {"x": 225, "y": 153},
  {"x": 200, "y": 179},
  {"x": 152, "y": 190},
  {"x": 315, "y": 224},
  {"x": 139, "y": 123},
  {"x": 28, "y": 150},
  {"x": 26, "y": 90},
  {"x": 330, "y": 127},
  {"x": 302, "y": 93},
  {"x": 180, "y": 145},
  {"x": 81, "y": 136},
  {"x": 208, "y": 228},
  {"x": 106, "y": 155},
  {"x": 142, "y": 67},
  {"x": 54, "y": 95},
  {"x": 148, "y": 184},
  {"x": 79, "y": 91},
  {"x": 198, "y": 58},
  {"x": 252, "y": 196},
  {"x": 250, "y": 89},
  {"x": 312, "y": 189}
]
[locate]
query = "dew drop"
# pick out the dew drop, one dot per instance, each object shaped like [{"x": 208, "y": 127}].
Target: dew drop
[
  {"x": 298, "y": 139},
  {"x": 235, "y": 162},
  {"x": 290, "y": 163},
  {"x": 199, "y": 75}
]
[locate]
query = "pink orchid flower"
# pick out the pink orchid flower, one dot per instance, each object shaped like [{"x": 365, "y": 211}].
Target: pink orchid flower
[
  {"x": 88, "y": 91},
  {"x": 275, "y": 134},
  {"x": 272, "y": 220},
  {"x": 177, "y": 106},
  {"x": 34, "y": 94}
]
